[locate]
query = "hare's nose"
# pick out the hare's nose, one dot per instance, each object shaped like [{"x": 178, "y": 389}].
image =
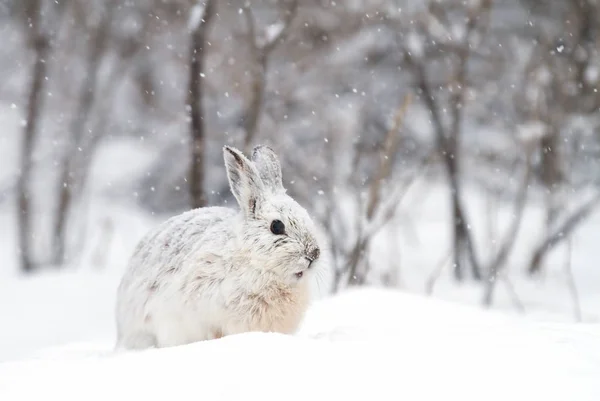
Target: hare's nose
[{"x": 312, "y": 255}]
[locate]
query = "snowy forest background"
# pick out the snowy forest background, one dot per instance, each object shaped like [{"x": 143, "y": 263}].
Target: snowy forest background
[{"x": 448, "y": 148}]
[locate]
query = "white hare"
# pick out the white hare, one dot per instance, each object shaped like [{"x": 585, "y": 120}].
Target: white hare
[{"x": 215, "y": 271}]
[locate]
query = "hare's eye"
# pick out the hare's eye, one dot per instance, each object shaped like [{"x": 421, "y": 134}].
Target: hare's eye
[{"x": 277, "y": 227}]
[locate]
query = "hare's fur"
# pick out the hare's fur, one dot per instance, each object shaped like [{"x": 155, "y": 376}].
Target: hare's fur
[{"x": 215, "y": 271}]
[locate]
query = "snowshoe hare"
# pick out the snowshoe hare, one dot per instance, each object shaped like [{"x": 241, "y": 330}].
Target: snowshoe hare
[{"x": 214, "y": 271}]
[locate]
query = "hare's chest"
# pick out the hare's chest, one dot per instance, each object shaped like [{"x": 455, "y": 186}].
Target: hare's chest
[{"x": 278, "y": 309}]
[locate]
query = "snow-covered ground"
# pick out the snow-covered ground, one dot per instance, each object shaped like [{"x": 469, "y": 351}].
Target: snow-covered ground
[{"x": 364, "y": 344}]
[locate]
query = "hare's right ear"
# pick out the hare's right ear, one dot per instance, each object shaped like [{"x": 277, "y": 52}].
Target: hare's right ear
[
  {"x": 244, "y": 180},
  {"x": 269, "y": 168}
]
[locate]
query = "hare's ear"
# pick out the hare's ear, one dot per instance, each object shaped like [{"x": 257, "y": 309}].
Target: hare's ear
[
  {"x": 244, "y": 180},
  {"x": 269, "y": 168}
]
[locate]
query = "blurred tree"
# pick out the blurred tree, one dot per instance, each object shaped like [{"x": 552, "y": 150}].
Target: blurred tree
[
  {"x": 96, "y": 24},
  {"x": 457, "y": 47},
  {"x": 562, "y": 87},
  {"x": 199, "y": 24},
  {"x": 262, "y": 44},
  {"x": 41, "y": 21}
]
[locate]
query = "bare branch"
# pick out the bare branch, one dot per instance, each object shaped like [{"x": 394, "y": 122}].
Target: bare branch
[
  {"x": 422, "y": 85},
  {"x": 383, "y": 172},
  {"x": 518, "y": 304},
  {"x": 562, "y": 232},
  {"x": 71, "y": 159},
  {"x": 261, "y": 55},
  {"x": 249, "y": 16},
  {"x": 509, "y": 240},
  {"x": 457, "y": 98},
  {"x": 390, "y": 148},
  {"x": 388, "y": 209},
  {"x": 571, "y": 282},
  {"x": 437, "y": 272}
]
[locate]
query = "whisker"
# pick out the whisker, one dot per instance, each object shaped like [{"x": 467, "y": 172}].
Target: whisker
[{"x": 319, "y": 277}]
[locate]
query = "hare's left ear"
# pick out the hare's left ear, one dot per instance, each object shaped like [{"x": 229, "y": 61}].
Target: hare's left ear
[
  {"x": 269, "y": 168},
  {"x": 244, "y": 180}
]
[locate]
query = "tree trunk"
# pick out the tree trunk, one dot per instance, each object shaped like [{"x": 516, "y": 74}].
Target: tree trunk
[
  {"x": 194, "y": 101},
  {"x": 34, "y": 105},
  {"x": 463, "y": 247},
  {"x": 447, "y": 147},
  {"x": 462, "y": 241},
  {"x": 551, "y": 173}
]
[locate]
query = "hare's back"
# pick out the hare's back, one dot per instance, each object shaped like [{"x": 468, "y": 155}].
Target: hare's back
[{"x": 169, "y": 244}]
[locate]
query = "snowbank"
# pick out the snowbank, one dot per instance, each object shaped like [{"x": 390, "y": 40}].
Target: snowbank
[
  {"x": 55, "y": 308},
  {"x": 363, "y": 344}
]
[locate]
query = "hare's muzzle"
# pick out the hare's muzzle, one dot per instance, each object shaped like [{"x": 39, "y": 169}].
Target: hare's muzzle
[{"x": 312, "y": 255}]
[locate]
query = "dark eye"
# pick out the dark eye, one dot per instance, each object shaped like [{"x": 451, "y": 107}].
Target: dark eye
[{"x": 277, "y": 227}]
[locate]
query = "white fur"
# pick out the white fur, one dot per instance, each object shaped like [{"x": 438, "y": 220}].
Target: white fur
[{"x": 215, "y": 271}]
